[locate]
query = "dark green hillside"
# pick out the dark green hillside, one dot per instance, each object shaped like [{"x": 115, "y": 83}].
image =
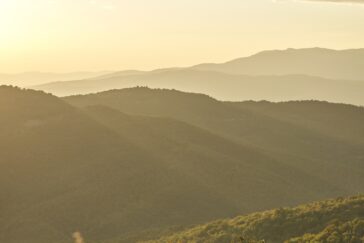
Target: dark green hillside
[
  {"x": 340, "y": 220},
  {"x": 316, "y": 150}
]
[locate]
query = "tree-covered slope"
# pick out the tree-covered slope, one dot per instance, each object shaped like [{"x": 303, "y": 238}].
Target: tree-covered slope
[
  {"x": 337, "y": 231},
  {"x": 333, "y": 152},
  {"x": 336, "y": 120},
  {"x": 122, "y": 164},
  {"x": 237, "y": 173},
  {"x": 339, "y": 220},
  {"x": 62, "y": 171},
  {"x": 111, "y": 175}
]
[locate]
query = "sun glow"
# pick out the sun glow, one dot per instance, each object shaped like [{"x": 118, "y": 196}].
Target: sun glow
[
  {"x": 17, "y": 19},
  {"x": 69, "y": 35}
]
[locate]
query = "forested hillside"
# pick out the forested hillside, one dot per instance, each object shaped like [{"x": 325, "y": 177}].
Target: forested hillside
[
  {"x": 128, "y": 165},
  {"x": 339, "y": 220},
  {"x": 322, "y": 139},
  {"x": 181, "y": 121}
]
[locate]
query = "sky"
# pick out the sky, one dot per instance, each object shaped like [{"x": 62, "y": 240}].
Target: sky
[{"x": 97, "y": 35}]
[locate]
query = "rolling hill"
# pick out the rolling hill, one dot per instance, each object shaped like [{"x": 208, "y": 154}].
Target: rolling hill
[
  {"x": 111, "y": 175},
  {"x": 305, "y": 142},
  {"x": 339, "y": 220}
]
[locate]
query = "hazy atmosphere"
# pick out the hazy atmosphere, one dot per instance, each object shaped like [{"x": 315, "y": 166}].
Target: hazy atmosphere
[
  {"x": 99, "y": 35},
  {"x": 181, "y": 121}
]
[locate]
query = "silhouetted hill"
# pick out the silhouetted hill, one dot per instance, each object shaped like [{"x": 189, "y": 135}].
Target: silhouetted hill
[
  {"x": 340, "y": 220},
  {"x": 332, "y": 64}
]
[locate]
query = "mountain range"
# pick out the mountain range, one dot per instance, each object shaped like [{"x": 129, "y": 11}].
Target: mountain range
[
  {"x": 281, "y": 75},
  {"x": 321, "y": 62},
  {"x": 127, "y": 165}
]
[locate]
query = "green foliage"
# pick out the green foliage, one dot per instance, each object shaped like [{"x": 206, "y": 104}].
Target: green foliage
[
  {"x": 339, "y": 221},
  {"x": 336, "y": 232}
]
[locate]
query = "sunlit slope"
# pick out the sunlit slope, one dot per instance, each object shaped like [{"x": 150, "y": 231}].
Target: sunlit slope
[
  {"x": 340, "y": 220},
  {"x": 333, "y": 153}
]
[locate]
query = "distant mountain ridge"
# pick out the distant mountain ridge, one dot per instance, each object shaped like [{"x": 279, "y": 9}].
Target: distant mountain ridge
[
  {"x": 293, "y": 74},
  {"x": 36, "y": 78},
  {"x": 319, "y": 62}
]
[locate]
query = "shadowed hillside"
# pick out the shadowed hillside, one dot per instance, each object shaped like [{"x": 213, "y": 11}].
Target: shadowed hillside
[
  {"x": 205, "y": 156},
  {"x": 73, "y": 174},
  {"x": 110, "y": 175},
  {"x": 61, "y": 172},
  {"x": 336, "y": 120},
  {"x": 319, "y": 150}
]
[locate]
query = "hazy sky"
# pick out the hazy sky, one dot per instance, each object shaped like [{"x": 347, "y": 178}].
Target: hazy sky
[{"x": 73, "y": 35}]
